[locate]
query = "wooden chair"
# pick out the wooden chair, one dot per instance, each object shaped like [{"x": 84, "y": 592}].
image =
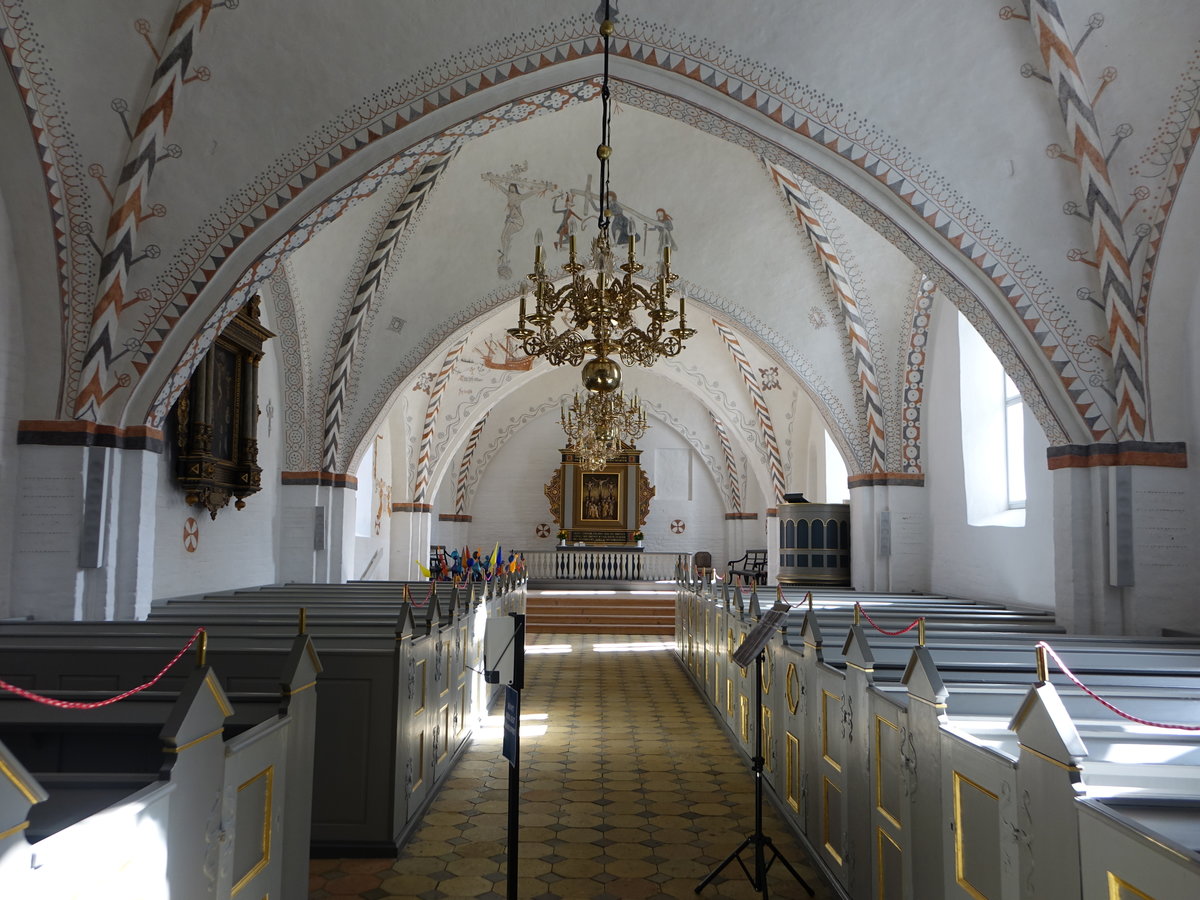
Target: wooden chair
[{"x": 751, "y": 566}]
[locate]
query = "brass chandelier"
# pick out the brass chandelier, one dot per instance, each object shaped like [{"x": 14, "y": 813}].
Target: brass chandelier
[
  {"x": 593, "y": 315},
  {"x": 599, "y": 427}
]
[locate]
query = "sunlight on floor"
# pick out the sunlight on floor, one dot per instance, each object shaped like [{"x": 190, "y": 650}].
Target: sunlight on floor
[
  {"x": 531, "y": 649},
  {"x": 492, "y": 727},
  {"x": 634, "y": 647}
]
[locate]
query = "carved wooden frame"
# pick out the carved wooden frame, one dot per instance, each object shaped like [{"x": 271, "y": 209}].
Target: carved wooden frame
[{"x": 216, "y": 417}]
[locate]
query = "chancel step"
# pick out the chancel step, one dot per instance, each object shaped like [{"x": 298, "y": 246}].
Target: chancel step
[{"x": 585, "y": 612}]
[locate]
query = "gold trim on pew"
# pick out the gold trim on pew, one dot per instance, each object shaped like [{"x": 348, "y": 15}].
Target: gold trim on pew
[
  {"x": 16, "y": 829},
  {"x": 1050, "y": 759},
  {"x": 880, "y": 837},
  {"x": 883, "y": 810},
  {"x": 927, "y": 702},
  {"x": 825, "y": 835},
  {"x": 198, "y": 740},
  {"x": 21, "y": 786},
  {"x": 860, "y": 668},
  {"x": 960, "y": 874},
  {"x": 792, "y": 694},
  {"x": 303, "y": 687},
  {"x": 1116, "y": 885},
  {"x": 264, "y": 860},
  {"x": 223, "y": 704}
]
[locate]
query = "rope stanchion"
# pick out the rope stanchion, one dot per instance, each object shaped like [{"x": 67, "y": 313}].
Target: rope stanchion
[
  {"x": 72, "y": 704},
  {"x": 1043, "y": 647},
  {"x": 916, "y": 622}
]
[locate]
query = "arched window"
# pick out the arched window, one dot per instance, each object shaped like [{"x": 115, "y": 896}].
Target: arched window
[
  {"x": 993, "y": 434},
  {"x": 363, "y": 521}
]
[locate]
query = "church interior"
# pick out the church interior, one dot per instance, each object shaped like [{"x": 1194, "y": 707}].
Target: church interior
[{"x": 272, "y": 290}]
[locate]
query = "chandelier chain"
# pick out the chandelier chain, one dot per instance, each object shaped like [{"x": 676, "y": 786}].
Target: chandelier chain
[{"x": 593, "y": 314}]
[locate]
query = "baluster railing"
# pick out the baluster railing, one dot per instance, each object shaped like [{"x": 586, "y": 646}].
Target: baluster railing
[{"x": 593, "y": 564}]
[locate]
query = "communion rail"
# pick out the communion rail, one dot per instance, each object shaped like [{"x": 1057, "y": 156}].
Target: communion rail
[{"x": 600, "y": 564}]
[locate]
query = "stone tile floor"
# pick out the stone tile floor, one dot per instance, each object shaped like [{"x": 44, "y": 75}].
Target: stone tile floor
[{"x": 630, "y": 790}]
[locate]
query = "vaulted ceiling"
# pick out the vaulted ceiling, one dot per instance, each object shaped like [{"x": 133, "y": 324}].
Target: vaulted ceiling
[{"x": 827, "y": 170}]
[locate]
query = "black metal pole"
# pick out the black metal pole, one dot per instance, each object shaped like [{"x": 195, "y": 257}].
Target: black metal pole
[
  {"x": 760, "y": 866},
  {"x": 514, "y": 765},
  {"x": 758, "y": 880},
  {"x": 514, "y": 806}
]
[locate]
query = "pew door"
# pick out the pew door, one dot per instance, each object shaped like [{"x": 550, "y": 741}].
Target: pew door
[
  {"x": 835, "y": 730},
  {"x": 1120, "y": 861},
  {"x": 978, "y": 802},
  {"x": 889, "y": 788},
  {"x": 255, "y": 792}
]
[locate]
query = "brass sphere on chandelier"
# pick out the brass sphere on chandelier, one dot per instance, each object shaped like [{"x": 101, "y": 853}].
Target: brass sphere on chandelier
[{"x": 601, "y": 375}]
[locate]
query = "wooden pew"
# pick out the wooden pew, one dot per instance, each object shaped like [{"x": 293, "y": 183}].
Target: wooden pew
[
  {"x": 182, "y": 779},
  {"x": 864, "y": 755},
  {"x": 404, "y": 673}
]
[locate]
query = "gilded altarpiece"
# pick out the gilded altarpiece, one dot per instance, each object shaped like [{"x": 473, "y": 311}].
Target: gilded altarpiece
[{"x": 608, "y": 506}]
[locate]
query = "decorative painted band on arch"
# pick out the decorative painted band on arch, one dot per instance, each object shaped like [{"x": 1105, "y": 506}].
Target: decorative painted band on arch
[
  {"x": 412, "y": 507},
  {"x": 879, "y": 479},
  {"x": 332, "y": 479},
  {"x": 1164, "y": 454},
  {"x": 740, "y": 515},
  {"x": 453, "y": 517},
  {"x": 80, "y": 433}
]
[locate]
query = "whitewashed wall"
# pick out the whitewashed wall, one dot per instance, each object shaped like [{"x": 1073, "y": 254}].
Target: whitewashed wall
[
  {"x": 373, "y": 513},
  {"x": 12, "y": 382},
  {"x": 510, "y": 501},
  {"x": 1006, "y": 564},
  {"x": 239, "y": 548}
]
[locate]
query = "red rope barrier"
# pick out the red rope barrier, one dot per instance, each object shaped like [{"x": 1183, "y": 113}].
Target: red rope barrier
[
  {"x": 1087, "y": 690},
  {"x": 71, "y": 704},
  {"x": 915, "y": 623}
]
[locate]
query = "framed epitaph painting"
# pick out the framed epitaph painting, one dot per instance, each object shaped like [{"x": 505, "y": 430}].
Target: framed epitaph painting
[{"x": 215, "y": 420}]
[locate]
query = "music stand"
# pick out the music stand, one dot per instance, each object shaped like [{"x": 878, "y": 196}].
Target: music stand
[{"x": 752, "y": 648}]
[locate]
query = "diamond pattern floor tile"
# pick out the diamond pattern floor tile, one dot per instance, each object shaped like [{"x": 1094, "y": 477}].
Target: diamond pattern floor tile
[{"x": 630, "y": 790}]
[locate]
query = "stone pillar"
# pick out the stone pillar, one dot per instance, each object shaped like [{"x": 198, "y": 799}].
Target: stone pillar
[
  {"x": 867, "y": 560},
  {"x": 742, "y": 532},
  {"x": 84, "y": 521},
  {"x": 1124, "y": 545},
  {"x": 411, "y": 528},
  {"x": 890, "y": 547},
  {"x": 772, "y": 522},
  {"x": 450, "y": 531},
  {"x": 302, "y": 531},
  {"x": 316, "y": 542},
  {"x": 1083, "y": 602}
]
